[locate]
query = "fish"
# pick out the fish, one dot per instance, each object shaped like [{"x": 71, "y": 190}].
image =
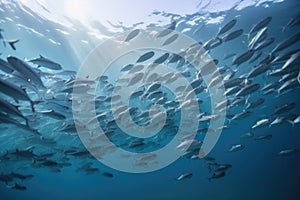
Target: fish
[
  {"x": 17, "y": 186},
  {"x": 248, "y": 89},
  {"x": 264, "y": 137},
  {"x": 284, "y": 108},
  {"x": 136, "y": 78},
  {"x": 256, "y": 55},
  {"x": 290, "y": 84},
  {"x": 167, "y": 31},
  {"x": 243, "y": 57},
  {"x": 232, "y": 35},
  {"x": 217, "y": 175},
  {"x": 292, "y": 61},
  {"x": 237, "y": 147},
  {"x": 258, "y": 37},
  {"x": 27, "y": 71},
  {"x": 132, "y": 35},
  {"x": 255, "y": 103},
  {"x": 45, "y": 62},
  {"x": 293, "y": 22},
  {"x": 241, "y": 115},
  {"x": 161, "y": 59},
  {"x": 286, "y": 43},
  {"x": 287, "y": 152},
  {"x": 227, "y": 27},
  {"x": 261, "y": 68},
  {"x": 246, "y": 135},
  {"x": 11, "y": 109},
  {"x": 6, "y": 67},
  {"x": 145, "y": 56},
  {"x": 170, "y": 39},
  {"x": 20, "y": 176},
  {"x": 264, "y": 43},
  {"x": 261, "y": 24},
  {"x": 261, "y": 123},
  {"x": 184, "y": 176},
  {"x": 107, "y": 174},
  {"x": 127, "y": 68}
]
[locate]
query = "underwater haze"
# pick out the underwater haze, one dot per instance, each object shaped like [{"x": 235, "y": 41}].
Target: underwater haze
[{"x": 200, "y": 100}]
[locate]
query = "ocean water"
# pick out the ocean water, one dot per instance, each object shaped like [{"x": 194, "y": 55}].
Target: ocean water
[{"x": 61, "y": 166}]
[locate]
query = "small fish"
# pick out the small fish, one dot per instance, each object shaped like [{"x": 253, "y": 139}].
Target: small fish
[
  {"x": 217, "y": 175},
  {"x": 258, "y": 37},
  {"x": 261, "y": 24},
  {"x": 293, "y": 22},
  {"x": 256, "y": 103},
  {"x": 264, "y": 43},
  {"x": 247, "y": 90},
  {"x": 136, "y": 78},
  {"x": 290, "y": 84},
  {"x": 45, "y": 62},
  {"x": 286, "y": 43},
  {"x": 161, "y": 59},
  {"x": 292, "y": 61},
  {"x": 247, "y": 135},
  {"x": 145, "y": 56},
  {"x": 284, "y": 108},
  {"x": 184, "y": 176},
  {"x": 127, "y": 68},
  {"x": 170, "y": 39},
  {"x": 256, "y": 55},
  {"x": 241, "y": 115},
  {"x": 287, "y": 152},
  {"x": 261, "y": 123},
  {"x": 232, "y": 35},
  {"x": 227, "y": 27},
  {"x": 237, "y": 147},
  {"x": 132, "y": 35},
  {"x": 107, "y": 174},
  {"x": 261, "y": 68},
  {"x": 17, "y": 187},
  {"x": 243, "y": 57},
  {"x": 264, "y": 137}
]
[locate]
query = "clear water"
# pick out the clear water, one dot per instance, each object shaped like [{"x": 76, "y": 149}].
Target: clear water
[{"x": 257, "y": 171}]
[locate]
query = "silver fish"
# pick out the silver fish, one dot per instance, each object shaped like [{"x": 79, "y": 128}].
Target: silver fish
[
  {"x": 45, "y": 62},
  {"x": 287, "y": 152},
  {"x": 286, "y": 43},
  {"x": 237, "y": 147},
  {"x": 260, "y": 25},
  {"x": 261, "y": 123},
  {"x": 258, "y": 37},
  {"x": 232, "y": 35},
  {"x": 227, "y": 27},
  {"x": 284, "y": 108},
  {"x": 243, "y": 57},
  {"x": 248, "y": 90},
  {"x": 264, "y": 43},
  {"x": 258, "y": 70},
  {"x": 184, "y": 176}
]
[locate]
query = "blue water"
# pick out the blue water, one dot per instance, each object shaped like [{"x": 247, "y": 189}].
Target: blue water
[{"x": 257, "y": 171}]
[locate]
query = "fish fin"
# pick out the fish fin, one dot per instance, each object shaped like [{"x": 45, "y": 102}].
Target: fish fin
[
  {"x": 12, "y": 44},
  {"x": 291, "y": 122},
  {"x": 41, "y": 56}
]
